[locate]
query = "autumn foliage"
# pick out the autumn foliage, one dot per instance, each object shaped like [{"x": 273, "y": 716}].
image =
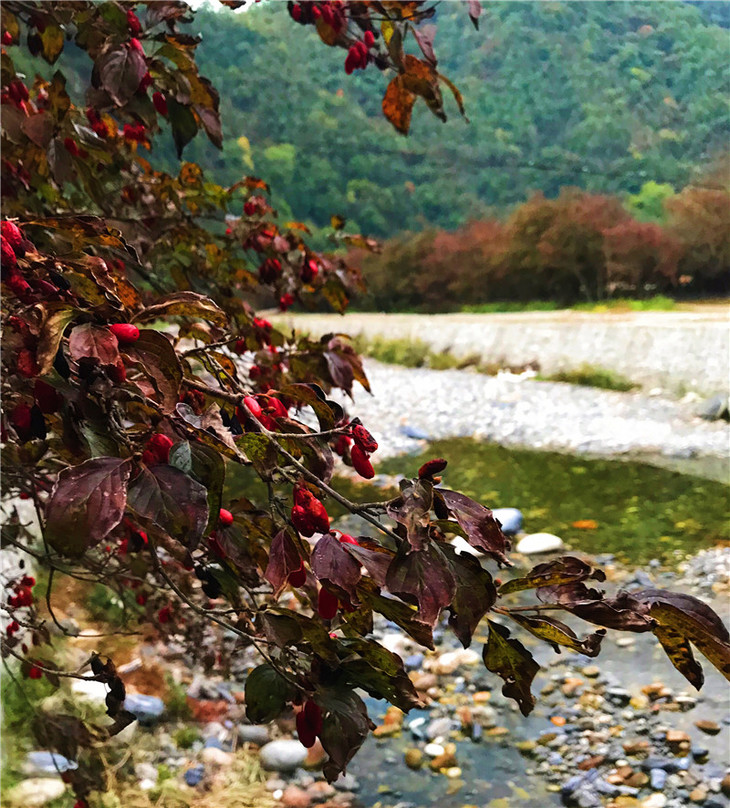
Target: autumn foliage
[
  {"x": 136, "y": 374},
  {"x": 579, "y": 247}
]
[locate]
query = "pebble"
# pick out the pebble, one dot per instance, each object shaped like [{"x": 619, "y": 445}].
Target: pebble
[
  {"x": 511, "y": 520},
  {"x": 433, "y": 750},
  {"x": 48, "y": 763},
  {"x": 708, "y": 727},
  {"x": 282, "y": 755},
  {"x": 216, "y": 757},
  {"x": 194, "y": 775},
  {"x": 440, "y": 728},
  {"x": 253, "y": 733},
  {"x": 346, "y": 782},
  {"x": 658, "y": 779},
  {"x": 449, "y": 661},
  {"x": 295, "y": 797},
  {"x": 654, "y": 801},
  {"x": 146, "y": 709},
  {"x": 535, "y": 543},
  {"x": 414, "y": 758}
]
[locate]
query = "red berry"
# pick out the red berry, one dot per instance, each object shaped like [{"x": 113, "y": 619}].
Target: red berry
[
  {"x": 20, "y": 417},
  {"x": 27, "y": 365},
  {"x": 270, "y": 270},
  {"x": 314, "y": 716},
  {"x": 327, "y": 604},
  {"x": 11, "y": 232},
  {"x": 301, "y": 521},
  {"x": 34, "y": 672},
  {"x": 285, "y": 301},
  {"x": 341, "y": 444},
  {"x": 126, "y": 333},
  {"x": 253, "y": 406},
  {"x": 298, "y": 577},
  {"x": 364, "y": 439},
  {"x": 27, "y": 580},
  {"x": 141, "y": 599},
  {"x": 369, "y": 39},
  {"x": 164, "y": 615},
  {"x": 7, "y": 38},
  {"x": 118, "y": 372},
  {"x": 71, "y": 146},
  {"x": 295, "y": 11},
  {"x": 361, "y": 464},
  {"x": 318, "y": 516},
  {"x": 276, "y": 408},
  {"x": 305, "y": 731},
  {"x": 431, "y": 467},
  {"x": 133, "y": 22},
  {"x": 225, "y": 517},
  {"x": 9, "y": 259},
  {"x": 135, "y": 44},
  {"x": 259, "y": 322},
  {"x": 347, "y": 539},
  {"x": 159, "y": 446},
  {"x": 160, "y": 102}
]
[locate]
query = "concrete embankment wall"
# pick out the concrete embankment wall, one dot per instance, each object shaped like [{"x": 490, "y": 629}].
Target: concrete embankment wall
[{"x": 673, "y": 350}]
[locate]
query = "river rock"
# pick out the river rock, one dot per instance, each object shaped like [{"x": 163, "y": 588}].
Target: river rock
[
  {"x": 283, "y": 755},
  {"x": 253, "y": 733},
  {"x": 216, "y": 757},
  {"x": 709, "y": 727},
  {"x": 295, "y": 797},
  {"x": 449, "y": 661},
  {"x": 146, "y": 709},
  {"x": 414, "y": 758},
  {"x": 194, "y": 775},
  {"x": 511, "y": 520},
  {"x": 535, "y": 543},
  {"x": 440, "y": 728},
  {"x": 715, "y": 408},
  {"x": 34, "y": 792},
  {"x": 47, "y": 763}
]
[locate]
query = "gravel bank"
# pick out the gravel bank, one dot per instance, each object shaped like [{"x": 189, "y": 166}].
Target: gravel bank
[{"x": 514, "y": 410}]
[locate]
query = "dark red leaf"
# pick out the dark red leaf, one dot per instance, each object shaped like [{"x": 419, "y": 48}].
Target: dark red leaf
[
  {"x": 482, "y": 529},
  {"x": 332, "y": 564},
  {"x": 422, "y": 577},
  {"x": 86, "y": 504},
  {"x": 93, "y": 342},
  {"x": 284, "y": 559},
  {"x": 510, "y": 660}
]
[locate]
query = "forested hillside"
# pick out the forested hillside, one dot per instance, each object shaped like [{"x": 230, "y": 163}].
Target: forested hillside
[{"x": 604, "y": 96}]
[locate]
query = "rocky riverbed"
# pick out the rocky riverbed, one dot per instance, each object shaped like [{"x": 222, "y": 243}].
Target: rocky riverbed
[
  {"x": 619, "y": 731},
  {"x": 410, "y": 405}
]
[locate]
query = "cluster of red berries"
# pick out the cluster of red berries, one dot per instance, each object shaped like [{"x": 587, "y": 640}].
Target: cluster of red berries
[
  {"x": 157, "y": 450},
  {"x": 14, "y": 246},
  {"x": 23, "y": 596},
  {"x": 261, "y": 240},
  {"x": 308, "y": 514},
  {"x": 361, "y": 445},
  {"x": 309, "y": 723},
  {"x": 135, "y": 132},
  {"x": 331, "y": 13},
  {"x": 96, "y": 123},
  {"x": 255, "y": 205},
  {"x": 286, "y": 301},
  {"x": 16, "y": 94},
  {"x": 264, "y": 408},
  {"x": 359, "y": 54}
]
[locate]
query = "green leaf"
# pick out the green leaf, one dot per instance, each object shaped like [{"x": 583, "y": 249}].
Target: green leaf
[
  {"x": 86, "y": 504},
  {"x": 185, "y": 304},
  {"x": 267, "y": 693},
  {"x": 182, "y": 121},
  {"x": 52, "y": 39},
  {"x": 260, "y": 452},
  {"x": 510, "y": 660}
]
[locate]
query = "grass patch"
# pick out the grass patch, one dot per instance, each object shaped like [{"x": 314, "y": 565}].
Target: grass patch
[
  {"x": 506, "y": 306},
  {"x": 591, "y": 376},
  {"x": 656, "y": 303},
  {"x": 409, "y": 353}
]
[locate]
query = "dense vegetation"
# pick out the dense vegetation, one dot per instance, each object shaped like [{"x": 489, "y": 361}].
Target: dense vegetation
[
  {"x": 576, "y": 247},
  {"x": 603, "y": 96}
]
